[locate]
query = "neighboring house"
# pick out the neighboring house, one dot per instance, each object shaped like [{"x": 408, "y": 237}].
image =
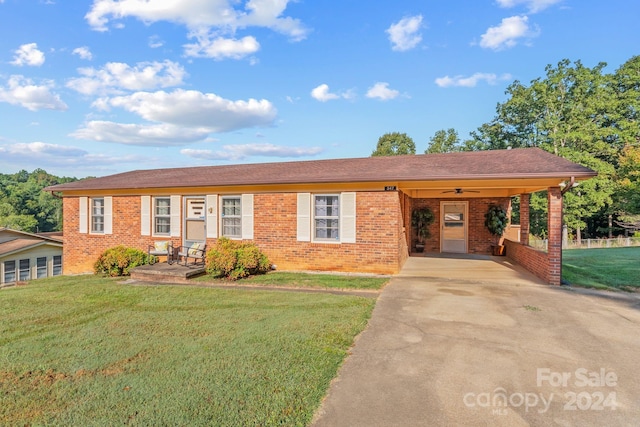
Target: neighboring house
[
  {"x": 25, "y": 256},
  {"x": 350, "y": 215}
]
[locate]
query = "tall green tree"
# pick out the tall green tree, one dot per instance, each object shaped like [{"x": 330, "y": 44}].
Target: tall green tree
[
  {"x": 444, "y": 141},
  {"x": 576, "y": 112},
  {"x": 394, "y": 144},
  {"x": 23, "y": 204}
]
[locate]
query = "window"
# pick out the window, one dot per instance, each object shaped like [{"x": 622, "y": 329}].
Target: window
[
  {"x": 231, "y": 217},
  {"x": 9, "y": 271},
  {"x": 25, "y": 269},
  {"x": 41, "y": 267},
  {"x": 162, "y": 216},
  {"x": 97, "y": 215},
  {"x": 326, "y": 214},
  {"x": 57, "y": 265}
]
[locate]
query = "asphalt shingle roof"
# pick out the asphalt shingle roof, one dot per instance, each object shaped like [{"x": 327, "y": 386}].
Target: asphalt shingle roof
[{"x": 498, "y": 164}]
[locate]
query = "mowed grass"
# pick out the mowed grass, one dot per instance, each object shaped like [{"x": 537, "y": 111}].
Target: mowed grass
[
  {"x": 617, "y": 268},
  {"x": 90, "y": 351},
  {"x": 307, "y": 280}
]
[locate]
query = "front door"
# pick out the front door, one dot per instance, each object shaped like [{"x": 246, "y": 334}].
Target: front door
[
  {"x": 194, "y": 217},
  {"x": 453, "y": 220}
]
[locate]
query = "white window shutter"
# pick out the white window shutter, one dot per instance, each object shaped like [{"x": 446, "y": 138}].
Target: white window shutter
[
  {"x": 145, "y": 215},
  {"x": 175, "y": 216},
  {"x": 108, "y": 215},
  {"x": 348, "y": 218},
  {"x": 83, "y": 215},
  {"x": 247, "y": 216},
  {"x": 304, "y": 217},
  {"x": 212, "y": 216}
]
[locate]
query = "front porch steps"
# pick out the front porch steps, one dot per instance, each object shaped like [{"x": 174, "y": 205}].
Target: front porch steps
[{"x": 162, "y": 272}]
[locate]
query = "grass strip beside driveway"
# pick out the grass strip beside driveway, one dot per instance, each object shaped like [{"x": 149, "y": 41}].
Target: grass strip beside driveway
[
  {"x": 307, "y": 280},
  {"x": 89, "y": 351}
]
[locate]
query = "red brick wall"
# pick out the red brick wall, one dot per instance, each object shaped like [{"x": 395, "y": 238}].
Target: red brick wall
[
  {"x": 479, "y": 238},
  {"x": 81, "y": 250},
  {"x": 546, "y": 265},
  {"x": 532, "y": 259},
  {"x": 378, "y": 247}
]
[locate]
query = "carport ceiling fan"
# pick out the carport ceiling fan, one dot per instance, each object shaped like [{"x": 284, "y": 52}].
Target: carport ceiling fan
[{"x": 460, "y": 191}]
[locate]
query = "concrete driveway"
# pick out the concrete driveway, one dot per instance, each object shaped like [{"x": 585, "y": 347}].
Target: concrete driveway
[{"x": 475, "y": 342}]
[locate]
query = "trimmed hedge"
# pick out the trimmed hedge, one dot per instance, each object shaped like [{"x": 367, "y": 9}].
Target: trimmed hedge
[
  {"x": 235, "y": 260},
  {"x": 119, "y": 260}
]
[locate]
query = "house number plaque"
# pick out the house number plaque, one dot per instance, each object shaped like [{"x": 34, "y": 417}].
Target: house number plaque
[{"x": 390, "y": 188}]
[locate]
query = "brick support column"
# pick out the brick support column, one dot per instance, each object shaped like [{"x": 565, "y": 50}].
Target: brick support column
[
  {"x": 524, "y": 218},
  {"x": 554, "y": 222}
]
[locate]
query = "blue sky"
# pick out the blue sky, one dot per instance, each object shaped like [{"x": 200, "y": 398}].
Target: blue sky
[{"x": 91, "y": 88}]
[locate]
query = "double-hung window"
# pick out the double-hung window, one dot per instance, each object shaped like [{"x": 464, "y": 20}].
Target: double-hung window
[
  {"x": 25, "y": 269},
  {"x": 41, "y": 267},
  {"x": 57, "y": 265},
  {"x": 97, "y": 215},
  {"x": 232, "y": 216},
  {"x": 9, "y": 271},
  {"x": 162, "y": 216},
  {"x": 326, "y": 217}
]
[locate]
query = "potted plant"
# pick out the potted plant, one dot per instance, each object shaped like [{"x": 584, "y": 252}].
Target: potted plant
[
  {"x": 421, "y": 219},
  {"x": 496, "y": 221}
]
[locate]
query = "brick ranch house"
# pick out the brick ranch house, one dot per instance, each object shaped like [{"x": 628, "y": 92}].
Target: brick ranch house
[{"x": 350, "y": 215}]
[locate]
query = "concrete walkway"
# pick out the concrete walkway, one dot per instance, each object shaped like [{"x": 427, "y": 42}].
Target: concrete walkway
[{"x": 474, "y": 342}]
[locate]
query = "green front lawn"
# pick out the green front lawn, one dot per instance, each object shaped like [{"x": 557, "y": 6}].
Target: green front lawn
[
  {"x": 617, "y": 268},
  {"x": 90, "y": 351}
]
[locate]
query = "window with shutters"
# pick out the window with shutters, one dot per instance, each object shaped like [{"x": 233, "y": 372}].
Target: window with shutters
[
  {"x": 231, "y": 216},
  {"x": 97, "y": 215},
  {"x": 162, "y": 216},
  {"x": 326, "y": 217}
]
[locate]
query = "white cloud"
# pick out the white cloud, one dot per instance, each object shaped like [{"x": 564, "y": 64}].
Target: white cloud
[
  {"x": 83, "y": 52},
  {"x": 239, "y": 152},
  {"x": 25, "y": 93},
  {"x": 381, "y": 91},
  {"x": 28, "y": 54},
  {"x": 507, "y": 33},
  {"x": 155, "y": 42},
  {"x": 221, "y": 48},
  {"x": 223, "y": 15},
  {"x": 404, "y": 34},
  {"x": 470, "y": 81},
  {"x": 190, "y": 108},
  {"x": 116, "y": 76},
  {"x": 44, "y": 155},
  {"x": 322, "y": 94},
  {"x": 155, "y": 135},
  {"x": 534, "y": 6}
]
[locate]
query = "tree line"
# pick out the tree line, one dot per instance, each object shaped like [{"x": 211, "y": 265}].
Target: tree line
[
  {"x": 582, "y": 114},
  {"x": 23, "y": 204}
]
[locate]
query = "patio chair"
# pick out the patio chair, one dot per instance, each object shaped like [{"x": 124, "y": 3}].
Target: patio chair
[
  {"x": 197, "y": 252},
  {"x": 161, "y": 248}
]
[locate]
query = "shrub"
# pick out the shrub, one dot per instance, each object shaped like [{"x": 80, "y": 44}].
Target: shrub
[
  {"x": 119, "y": 260},
  {"x": 235, "y": 260}
]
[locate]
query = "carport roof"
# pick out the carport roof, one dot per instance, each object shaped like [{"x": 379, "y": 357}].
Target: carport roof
[{"x": 524, "y": 163}]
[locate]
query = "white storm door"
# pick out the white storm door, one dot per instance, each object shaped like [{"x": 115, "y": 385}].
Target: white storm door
[{"x": 453, "y": 220}]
